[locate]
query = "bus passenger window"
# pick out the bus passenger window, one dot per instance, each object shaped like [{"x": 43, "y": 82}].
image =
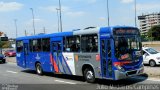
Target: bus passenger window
[
  {"x": 36, "y": 45},
  {"x": 89, "y": 43},
  {"x": 72, "y": 44},
  {"x": 31, "y": 45},
  {"x": 19, "y": 46},
  {"x": 46, "y": 44}
]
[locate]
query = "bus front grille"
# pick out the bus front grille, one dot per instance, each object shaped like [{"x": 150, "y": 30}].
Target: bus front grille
[{"x": 131, "y": 72}]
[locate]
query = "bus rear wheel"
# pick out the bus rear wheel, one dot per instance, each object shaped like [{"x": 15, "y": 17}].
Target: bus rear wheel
[
  {"x": 39, "y": 69},
  {"x": 89, "y": 75}
]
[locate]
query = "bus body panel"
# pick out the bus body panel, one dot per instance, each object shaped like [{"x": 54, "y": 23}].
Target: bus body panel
[
  {"x": 58, "y": 60},
  {"x": 82, "y": 59},
  {"x": 88, "y": 31}
]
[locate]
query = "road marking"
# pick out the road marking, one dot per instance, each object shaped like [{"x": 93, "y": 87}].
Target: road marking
[
  {"x": 11, "y": 63},
  {"x": 64, "y": 82},
  {"x": 11, "y": 72}
]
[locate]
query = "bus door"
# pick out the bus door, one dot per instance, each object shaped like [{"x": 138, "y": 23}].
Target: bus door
[
  {"x": 106, "y": 60},
  {"x": 57, "y": 55},
  {"x": 25, "y": 51}
]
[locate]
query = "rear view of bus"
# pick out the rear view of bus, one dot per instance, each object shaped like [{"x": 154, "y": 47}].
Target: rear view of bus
[{"x": 120, "y": 52}]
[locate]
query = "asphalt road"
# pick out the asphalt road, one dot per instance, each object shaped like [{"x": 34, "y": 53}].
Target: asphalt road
[
  {"x": 152, "y": 71},
  {"x": 13, "y": 77}
]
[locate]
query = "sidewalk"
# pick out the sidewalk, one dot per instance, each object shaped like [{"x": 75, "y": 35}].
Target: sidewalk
[
  {"x": 152, "y": 72},
  {"x": 11, "y": 59}
]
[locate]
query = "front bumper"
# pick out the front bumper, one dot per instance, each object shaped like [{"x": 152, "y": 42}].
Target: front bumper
[
  {"x": 2, "y": 60},
  {"x": 122, "y": 75}
]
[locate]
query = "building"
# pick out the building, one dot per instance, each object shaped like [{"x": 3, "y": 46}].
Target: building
[{"x": 147, "y": 21}]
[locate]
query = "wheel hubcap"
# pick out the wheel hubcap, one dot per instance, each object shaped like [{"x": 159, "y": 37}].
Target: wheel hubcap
[
  {"x": 152, "y": 63},
  {"x": 38, "y": 69},
  {"x": 89, "y": 75}
]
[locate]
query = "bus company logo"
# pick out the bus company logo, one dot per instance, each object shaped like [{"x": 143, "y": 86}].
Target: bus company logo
[
  {"x": 38, "y": 57},
  {"x": 66, "y": 58},
  {"x": 69, "y": 58}
]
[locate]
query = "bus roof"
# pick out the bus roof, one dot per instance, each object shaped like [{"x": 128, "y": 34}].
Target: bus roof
[
  {"x": 46, "y": 35},
  {"x": 76, "y": 32}
]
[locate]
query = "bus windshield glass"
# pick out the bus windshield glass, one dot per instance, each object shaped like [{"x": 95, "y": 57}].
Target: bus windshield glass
[{"x": 126, "y": 45}]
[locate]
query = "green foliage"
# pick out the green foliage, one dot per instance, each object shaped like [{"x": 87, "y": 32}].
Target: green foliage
[
  {"x": 5, "y": 44},
  {"x": 154, "y": 32},
  {"x": 144, "y": 38}
]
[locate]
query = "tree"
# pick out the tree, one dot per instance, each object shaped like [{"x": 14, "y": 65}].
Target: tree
[
  {"x": 144, "y": 37},
  {"x": 154, "y": 32},
  {"x": 5, "y": 44}
]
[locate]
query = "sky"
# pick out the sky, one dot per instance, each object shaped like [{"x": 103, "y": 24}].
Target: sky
[{"x": 76, "y": 14}]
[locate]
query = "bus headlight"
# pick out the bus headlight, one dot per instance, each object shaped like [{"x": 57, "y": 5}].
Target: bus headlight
[
  {"x": 118, "y": 65},
  {"x": 120, "y": 68}
]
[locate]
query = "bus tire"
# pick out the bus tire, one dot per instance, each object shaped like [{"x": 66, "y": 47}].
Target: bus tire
[
  {"x": 39, "y": 69},
  {"x": 89, "y": 75}
]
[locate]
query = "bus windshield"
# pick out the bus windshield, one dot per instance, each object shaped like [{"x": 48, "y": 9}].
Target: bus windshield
[{"x": 126, "y": 45}]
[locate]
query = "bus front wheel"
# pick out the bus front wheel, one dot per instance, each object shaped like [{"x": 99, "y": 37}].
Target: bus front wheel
[
  {"x": 89, "y": 75},
  {"x": 39, "y": 69}
]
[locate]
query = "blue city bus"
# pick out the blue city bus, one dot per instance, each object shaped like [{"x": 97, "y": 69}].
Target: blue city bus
[{"x": 95, "y": 52}]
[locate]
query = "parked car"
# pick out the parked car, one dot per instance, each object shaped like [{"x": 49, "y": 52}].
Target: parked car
[
  {"x": 2, "y": 58},
  {"x": 151, "y": 56},
  {"x": 10, "y": 53}
]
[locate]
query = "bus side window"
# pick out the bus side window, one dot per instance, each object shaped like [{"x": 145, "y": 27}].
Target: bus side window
[
  {"x": 46, "y": 44},
  {"x": 31, "y": 45},
  {"x": 72, "y": 44},
  {"x": 89, "y": 43},
  {"x": 36, "y": 45},
  {"x": 19, "y": 46}
]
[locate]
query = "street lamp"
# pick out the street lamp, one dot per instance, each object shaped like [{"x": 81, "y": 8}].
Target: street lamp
[
  {"x": 15, "y": 22},
  {"x": 108, "y": 12},
  {"x": 135, "y": 6},
  {"x": 33, "y": 21},
  {"x": 60, "y": 15}
]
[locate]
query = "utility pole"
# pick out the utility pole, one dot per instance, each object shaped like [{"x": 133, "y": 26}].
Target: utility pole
[
  {"x": 33, "y": 21},
  {"x": 25, "y": 32},
  {"x": 60, "y": 15},
  {"x": 108, "y": 13},
  {"x": 135, "y": 6},
  {"x": 15, "y": 22},
  {"x": 44, "y": 30}
]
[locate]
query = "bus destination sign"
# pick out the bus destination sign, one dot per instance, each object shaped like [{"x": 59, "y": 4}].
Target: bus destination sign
[{"x": 125, "y": 31}]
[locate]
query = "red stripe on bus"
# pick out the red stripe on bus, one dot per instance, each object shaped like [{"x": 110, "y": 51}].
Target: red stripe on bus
[{"x": 53, "y": 62}]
